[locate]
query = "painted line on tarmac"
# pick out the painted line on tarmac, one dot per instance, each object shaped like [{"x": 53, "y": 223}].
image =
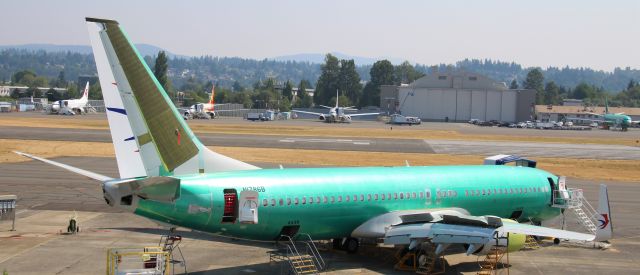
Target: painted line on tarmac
[{"x": 325, "y": 140}]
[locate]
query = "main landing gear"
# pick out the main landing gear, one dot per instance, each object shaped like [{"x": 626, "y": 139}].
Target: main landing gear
[{"x": 349, "y": 244}]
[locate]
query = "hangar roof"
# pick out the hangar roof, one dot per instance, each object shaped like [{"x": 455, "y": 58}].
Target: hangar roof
[{"x": 458, "y": 80}]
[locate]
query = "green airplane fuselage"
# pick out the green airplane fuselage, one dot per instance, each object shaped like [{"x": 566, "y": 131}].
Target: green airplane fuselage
[
  {"x": 623, "y": 120},
  {"x": 331, "y": 202}
]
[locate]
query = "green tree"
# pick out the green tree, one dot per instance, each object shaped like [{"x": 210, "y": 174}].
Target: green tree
[
  {"x": 61, "y": 82},
  {"x": 53, "y": 95},
  {"x": 349, "y": 81},
  {"x": 382, "y": 73},
  {"x": 287, "y": 91},
  {"x": 72, "y": 92},
  {"x": 15, "y": 94},
  {"x": 328, "y": 81},
  {"x": 95, "y": 91},
  {"x": 40, "y": 81},
  {"x": 535, "y": 81},
  {"x": 514, "y": 84},
  {"x": 160, "y": 69},
  {"x": 237, "y": 87},
  {"x": 24, "y": 77},
  {"x": 406, "y": 73},
  {"x": 551, "y": 93},
  {"x": 34, "y": 92}
]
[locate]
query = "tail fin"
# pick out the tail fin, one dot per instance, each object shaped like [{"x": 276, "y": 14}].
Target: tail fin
[
  {"x": 605, "y": 228},
  {"x": 167, "y": 145},
  {"x": 213, "y": 93},
  {"x": 85, "y": 92},
  {"x": 337, "y": 97},
  {"x": 606, "y": 105}
]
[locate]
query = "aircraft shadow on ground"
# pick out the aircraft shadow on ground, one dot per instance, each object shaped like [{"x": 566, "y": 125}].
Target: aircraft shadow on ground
[{"x": 375, "y": 261}]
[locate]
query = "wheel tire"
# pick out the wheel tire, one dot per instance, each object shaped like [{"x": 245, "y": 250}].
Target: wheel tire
[
  {"x": 337, "y": 244},
  {"x": 352, "y": 245}
]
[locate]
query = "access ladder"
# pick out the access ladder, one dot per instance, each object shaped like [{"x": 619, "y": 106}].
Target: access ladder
[{"x": 308, "y": 262}]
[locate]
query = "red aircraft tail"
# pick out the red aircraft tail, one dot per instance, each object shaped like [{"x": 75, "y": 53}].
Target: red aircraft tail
[{"x": 213, "y": 92}]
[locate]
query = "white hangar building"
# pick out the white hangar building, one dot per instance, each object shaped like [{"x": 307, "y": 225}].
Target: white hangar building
[{"x": 459, "y": 96}]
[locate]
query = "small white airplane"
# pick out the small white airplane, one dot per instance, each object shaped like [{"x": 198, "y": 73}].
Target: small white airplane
[
  {"x": 71, "y": 106},
  {"x": 202, "y": 110},
  {"x": 337, "y": 113}
]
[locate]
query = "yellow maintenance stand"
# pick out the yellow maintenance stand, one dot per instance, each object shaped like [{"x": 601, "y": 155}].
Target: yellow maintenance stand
[{"x": 150, "y": 260}]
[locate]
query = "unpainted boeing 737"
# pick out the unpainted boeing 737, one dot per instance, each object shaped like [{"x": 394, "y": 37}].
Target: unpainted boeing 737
[{"x": 169, "y": 176}]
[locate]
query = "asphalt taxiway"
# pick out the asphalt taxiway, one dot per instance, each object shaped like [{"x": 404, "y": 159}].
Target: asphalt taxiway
[
  {"x": 427, "y": 146},
  {"x": 48, "y": 196}
]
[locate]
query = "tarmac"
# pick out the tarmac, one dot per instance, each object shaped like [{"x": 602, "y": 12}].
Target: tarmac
[
  {"x": 48, "y": 197},
  {"x": 455, "y": 147}
]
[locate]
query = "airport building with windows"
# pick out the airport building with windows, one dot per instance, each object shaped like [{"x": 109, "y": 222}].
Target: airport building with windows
[{"x": 458, "y": 97}]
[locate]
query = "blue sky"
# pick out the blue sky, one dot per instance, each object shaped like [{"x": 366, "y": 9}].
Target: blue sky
[{"x": 596, "y": 34}]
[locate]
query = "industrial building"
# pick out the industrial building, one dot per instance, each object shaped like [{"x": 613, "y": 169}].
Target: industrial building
[{"x": 458, "y": 96}]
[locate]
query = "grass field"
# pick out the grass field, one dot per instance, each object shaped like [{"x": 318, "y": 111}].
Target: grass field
[{"x": 614, "y": 170}]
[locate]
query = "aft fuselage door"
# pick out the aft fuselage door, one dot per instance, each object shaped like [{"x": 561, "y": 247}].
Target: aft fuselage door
[{"x": 248, "y": 207}]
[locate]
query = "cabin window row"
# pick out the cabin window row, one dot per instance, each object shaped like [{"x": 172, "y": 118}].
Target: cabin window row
[
  {"x": 347, "y": 198},
  {"x": 504, "y": 191}
]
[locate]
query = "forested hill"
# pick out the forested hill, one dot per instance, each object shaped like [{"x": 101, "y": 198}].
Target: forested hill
[{"x": 226, "y": 70}]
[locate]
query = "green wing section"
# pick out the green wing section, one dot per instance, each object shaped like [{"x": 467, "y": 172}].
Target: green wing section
[{"x": 171, "y": 139}]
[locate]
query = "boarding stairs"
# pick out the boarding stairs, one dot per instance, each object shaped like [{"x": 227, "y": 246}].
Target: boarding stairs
[
  {"x": 573, "y": 200},
  {"x": 299, "y": 255},
  {"x": 496, "y": 260}
]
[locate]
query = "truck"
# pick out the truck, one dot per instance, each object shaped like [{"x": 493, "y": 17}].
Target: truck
[{"x": 400, "y": 120}]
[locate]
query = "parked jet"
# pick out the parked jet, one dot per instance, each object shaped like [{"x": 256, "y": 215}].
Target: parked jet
[
  {"x": 181, "y": 182},
  {"x": 203, "y": 110},
  {"x": 611, "y": 120},
  {"x": 337, "y": 113},
  {"x": 71, "y": 106}
]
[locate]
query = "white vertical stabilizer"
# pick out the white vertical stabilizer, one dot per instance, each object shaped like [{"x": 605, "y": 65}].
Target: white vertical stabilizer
[
  {"x": 127, "y": 152},
  {"x": 604, "y": 231}
]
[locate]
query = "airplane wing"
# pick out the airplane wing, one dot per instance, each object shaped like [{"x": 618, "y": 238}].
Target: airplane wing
[
  {"x": 446, "y": 226},
  {"x": 587, "y": 119},
  {"x": 365, "y": 114},
  {"x": 311, "y": 113}
]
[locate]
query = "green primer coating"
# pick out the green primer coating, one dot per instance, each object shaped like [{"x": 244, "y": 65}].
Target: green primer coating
[
  {"x": 167, "y": 132},
  {"x": 326, "y": 220}
]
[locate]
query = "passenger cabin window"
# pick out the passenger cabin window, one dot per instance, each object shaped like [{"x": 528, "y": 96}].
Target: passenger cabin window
[
  {"x": 368, "y": 197},
  {"x": 326, "y": 199},
  {"x": 273, "y": 202},
  {"x": 395, "y": 196},
  {"x": 333, "y": 199},
  {"x": 265, "y": 202},
  {"x": 347, "y": 198},
  {"x": 421, "y": 195},
  {"x": 375, "y": 197},
  {"x": 317, "y": 199},
  {"x": 362, "y": 197},
  {"x": 296, "y": 201},
  {"x": 310, "y": 200},
  {"x": 339, "y": 198},
  {"x": 288, "y": 201},
  {"x": 401, "y": 195},
  {"x": 304, "y": 200},
  {"x": 281, "y": 202}
]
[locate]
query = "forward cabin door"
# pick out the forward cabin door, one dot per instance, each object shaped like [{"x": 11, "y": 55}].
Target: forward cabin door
[{"x": 248, "y": 207}]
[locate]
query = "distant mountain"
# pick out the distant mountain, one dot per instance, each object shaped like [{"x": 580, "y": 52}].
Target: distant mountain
[
  {"x": 319, "y": 58},
  {"x": 144, "y": 49}
]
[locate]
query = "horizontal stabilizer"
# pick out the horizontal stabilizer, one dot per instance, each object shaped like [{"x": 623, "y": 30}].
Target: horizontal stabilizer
[
  {"x": 76, "y": 170},
  {"x": 162, "y": 189}
]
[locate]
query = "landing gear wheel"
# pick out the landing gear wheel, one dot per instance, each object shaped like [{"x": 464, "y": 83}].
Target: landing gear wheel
[{"x": 351, "y": 245}]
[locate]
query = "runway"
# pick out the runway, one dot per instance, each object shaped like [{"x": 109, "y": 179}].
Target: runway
[
  {"x": 42, "y": 188},
  {"x": 456, "y": 147}
]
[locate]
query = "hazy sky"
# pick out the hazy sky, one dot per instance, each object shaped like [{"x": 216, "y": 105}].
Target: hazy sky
[{"x": 597, "y": 34}]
